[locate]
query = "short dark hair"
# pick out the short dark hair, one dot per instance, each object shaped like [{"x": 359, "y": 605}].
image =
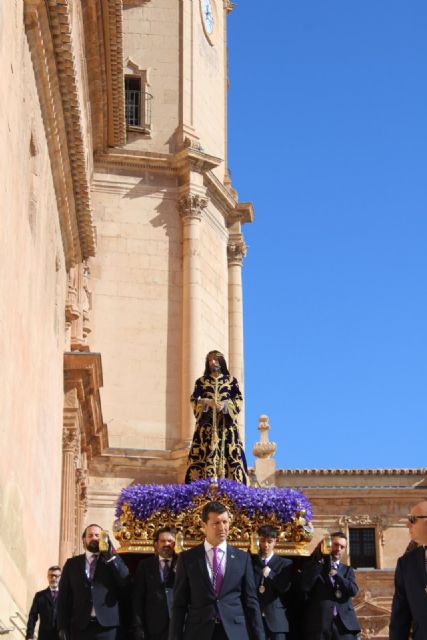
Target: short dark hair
[
  {"x": 339, "y": 534},
  {"x": 88, "y": 527},
  {"x": 158, "y": 532},
  {"x": 267, "y": 531},
  {"x": 212, "y": 507},
  {"x": 54, "y": 567}
]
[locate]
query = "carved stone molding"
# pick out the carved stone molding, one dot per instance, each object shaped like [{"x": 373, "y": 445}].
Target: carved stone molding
[
  {"x": 191, "y": 207},
  {"x": 365, "y": 520},
  {"x": 82, "y": 476},
  {"x": 78, "y": 307},
  {"x": 61, "y": 32},
  {"x": 228, "y": 6},
  {"x": 236, "y": 251},
  {"x": 69, "y": 440}
]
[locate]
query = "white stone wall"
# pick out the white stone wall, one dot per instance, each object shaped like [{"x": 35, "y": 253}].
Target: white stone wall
[
  {"x": 151, "y": 40},
  {"x": 32, "y": 292},
  {"x": 137, "y": 292},
  {"x": 209, "y": 87},
  {"x": 214, "y": 320}
]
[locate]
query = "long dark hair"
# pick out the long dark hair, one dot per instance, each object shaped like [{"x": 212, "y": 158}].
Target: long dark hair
[{"x": 221, "y": 361}]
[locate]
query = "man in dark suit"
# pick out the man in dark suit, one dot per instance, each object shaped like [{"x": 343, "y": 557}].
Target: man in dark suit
[
  {"x": 329, "y": 586},
  {"x": 89, "y": 591},
  {"x": 44, "y": 607},
  {"x": 409, "y": 608},
  {"x": 153, "y": 585},
  {"x": 214, "y": 592},
  {"x": 272, "y": 579}
]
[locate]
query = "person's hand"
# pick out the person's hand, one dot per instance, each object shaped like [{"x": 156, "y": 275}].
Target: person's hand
[
  {"x": 208, "y": 402},
  {"x": 62, "y": 634},
  {"x": 109, "y": 553},
  {"x": 266, "y": 572},
  {"x": 219, "y": 406}
]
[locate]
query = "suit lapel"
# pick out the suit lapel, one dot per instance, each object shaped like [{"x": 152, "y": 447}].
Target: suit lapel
[
  {"x": 420, "y": 567},
  {"x": 229, "y": 567},
  {"x": 258, "y": 566}
]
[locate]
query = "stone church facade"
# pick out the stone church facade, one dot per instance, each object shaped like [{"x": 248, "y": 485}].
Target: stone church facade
[{"x": 121, "y": 250}]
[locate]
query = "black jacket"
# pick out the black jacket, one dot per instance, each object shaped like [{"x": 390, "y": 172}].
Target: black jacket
[
  {"x": 271, "y": 600},
  {"x": 77, "y": 594},
  {"x": 196, "y": 605},
  {"x": 410, "y": 597},
  {"x": 152, "y": 599},
  {"x": 43, "y": 607},
  {"x": 322, "y": 596}
]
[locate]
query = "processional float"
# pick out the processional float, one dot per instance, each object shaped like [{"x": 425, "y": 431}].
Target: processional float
[{"x": 141, "y": 509}]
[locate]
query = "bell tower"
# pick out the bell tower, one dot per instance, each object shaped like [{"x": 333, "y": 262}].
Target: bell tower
[{"x": 167, "y": 283}]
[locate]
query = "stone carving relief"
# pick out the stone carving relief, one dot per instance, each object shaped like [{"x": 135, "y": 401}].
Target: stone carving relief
[
  {"x": 365, "y": 520},
  {"x": 191, "y": 206},
  {"x": 236, "y": 251},
  {"x": 77, "y": 307}
]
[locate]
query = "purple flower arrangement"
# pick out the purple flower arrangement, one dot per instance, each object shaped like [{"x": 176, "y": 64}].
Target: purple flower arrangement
[{"x": 146, "y": 499}]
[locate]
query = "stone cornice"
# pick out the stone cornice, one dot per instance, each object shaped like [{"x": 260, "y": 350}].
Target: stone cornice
[
  {"x": 113, "y": 35},
  {"x": 353, "y": 472},
  {"x": 45, "y": 73},
  {"x": 180, "y": 164},
  {"x": 62, "y": 37},
  {"x": 49, "y": 31}
]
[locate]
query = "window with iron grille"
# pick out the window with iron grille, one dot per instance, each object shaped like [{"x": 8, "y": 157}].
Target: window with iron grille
[
  {"x": 362, "y": 548},
  {"x": 138, "y": 104}
]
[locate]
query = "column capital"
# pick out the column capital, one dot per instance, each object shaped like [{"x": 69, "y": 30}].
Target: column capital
[
  {"x": 236, "y": 251},
  {"x": 191, "y": 206},
  {"x": 70, "y": 440}
]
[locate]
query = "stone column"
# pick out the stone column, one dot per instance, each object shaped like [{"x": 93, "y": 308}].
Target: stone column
[
  {"x": 190, "y": 208},
  {"x": 236, "y": 251},
  {"x": 68, "y": 506}
]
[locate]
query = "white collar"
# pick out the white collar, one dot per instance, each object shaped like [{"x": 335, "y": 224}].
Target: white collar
[
  {"x": 209, "y": 546},
  {"x": 89, "y": 555},
  {"x": 267, "y": 559}
]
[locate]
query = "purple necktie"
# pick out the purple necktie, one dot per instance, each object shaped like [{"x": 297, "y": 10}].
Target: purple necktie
[
  {"x": 217, "y": 574},
  {"x": 92, "y": 567},
  {"x": 166, "y": 570}
]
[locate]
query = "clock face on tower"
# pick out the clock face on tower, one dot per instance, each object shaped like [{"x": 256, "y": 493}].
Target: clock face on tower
[{"x": 208, "y": 17}]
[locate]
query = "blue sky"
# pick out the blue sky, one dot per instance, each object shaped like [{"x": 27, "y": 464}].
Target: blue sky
[{"x": 328, "y": 139}]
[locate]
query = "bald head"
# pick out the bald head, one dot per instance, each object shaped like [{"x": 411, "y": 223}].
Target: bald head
[{"x": 418, "y": 526}]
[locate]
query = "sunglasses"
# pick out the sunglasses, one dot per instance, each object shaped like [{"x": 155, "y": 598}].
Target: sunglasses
[{"x": 413, "y": 519}]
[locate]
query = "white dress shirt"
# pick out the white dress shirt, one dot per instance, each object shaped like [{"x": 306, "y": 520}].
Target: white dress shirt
[{"x": 222, "y": 555}]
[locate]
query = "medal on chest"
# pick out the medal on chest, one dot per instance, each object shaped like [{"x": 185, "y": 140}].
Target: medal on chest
[{"x": 261, "y": 588}]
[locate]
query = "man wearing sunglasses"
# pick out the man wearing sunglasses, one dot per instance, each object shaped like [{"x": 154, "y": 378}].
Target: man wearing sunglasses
[{"x": 409, "y": 609}]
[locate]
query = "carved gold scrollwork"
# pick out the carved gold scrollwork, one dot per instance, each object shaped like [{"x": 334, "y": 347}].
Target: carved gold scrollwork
[{"x": 136, "y": 535}]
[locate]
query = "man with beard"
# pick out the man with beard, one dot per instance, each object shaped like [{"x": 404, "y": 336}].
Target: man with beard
[
  {"x": 44, "y": 608},
  {"x": 329, "y": 586},
  {"x": 216, "y": 450},
  {"x": 153, "y": 585},
  {"x": 89, "y": 591},
  {"x": 409, "y": 608}
]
